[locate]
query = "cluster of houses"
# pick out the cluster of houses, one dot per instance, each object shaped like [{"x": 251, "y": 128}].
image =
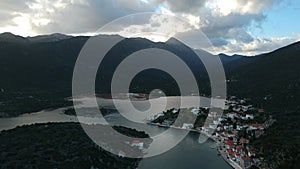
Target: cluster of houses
[
  {"x": 233, "y": 129},
  {"x": 237, "y": 149},
  {"x": 235, "y": 137}
]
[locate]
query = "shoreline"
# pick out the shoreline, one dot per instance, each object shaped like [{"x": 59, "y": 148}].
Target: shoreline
[{"x": 223, "y": 154}]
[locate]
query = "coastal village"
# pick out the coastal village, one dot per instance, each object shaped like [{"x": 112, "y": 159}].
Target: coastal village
[{"x": 233, "y": 131}]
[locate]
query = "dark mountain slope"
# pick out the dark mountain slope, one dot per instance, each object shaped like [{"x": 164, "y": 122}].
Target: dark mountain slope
[
  {"x": 273, "y": 82},
  {"x": 274, "y": 75},
  {"x": 40, "y": 73},
  {"x": 233, "y": 62}
]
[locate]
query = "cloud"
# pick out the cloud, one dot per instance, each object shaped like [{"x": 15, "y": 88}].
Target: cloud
[
  {"x": 179, "y": 6},
  {"x": 257, "y": 46},
  {"x": 158, "y": 27},
  {"x": 226, "y": 23},
  {"x": 65, "y": 16},
  {"x": 233, "y": 26},
  {"x": 218, "y": 42},
  {"x": 88, "y": 16}
]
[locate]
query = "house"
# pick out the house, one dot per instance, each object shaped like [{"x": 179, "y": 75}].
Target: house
[
  {"x": 258, "y": 133},
  {"x": 231, "y": 127},
  {"x": 245, "y": 162},
  {"x": 230, "y": 134},
  {"x": 137, "y": 143},
  {"x": 196, "y": 111},
  {"x": 245, "y": 108},
  {"x": 239, "y": 149},
  {"x": 251, "y": 154},
  {"x": 174, "y": 111},
  {"x": 151, "y": 118},
  {"x": 187, "y": 126},
  {"x": 243, "y": 117},
  {"x": 167, "y": 122},
  {"x": 229, "y": 144},
  {"x": 226, "y": 127},
  {"x": 256, "y": 127},
  {"x": 242, "y": 101},
  {"x": 216, "y": 122},
  {"x": 213, "y": 114},
  {"x": 237, "y": 109},
  {"x": 231, "y": 115},
  {"x": 230, "y": 151},
  {"x": 220, "y": 128},
  {"x": 122, "y": 154},
  {"x": 218, "y": 133},
  {"x": 238, "y": 157},
  {"x": 221, "y": 119},
  {"x": 224, "y": 134},
  {"x": 244, "y": 141},
  {"x": 239, "y": 127},
  {"x": 250, "y": 116},
  {"x": 160, "y": 115}
]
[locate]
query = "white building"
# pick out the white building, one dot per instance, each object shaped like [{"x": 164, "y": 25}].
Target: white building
[
  {"x": 216, "y": 122},
  {"x": 239, "y": 127},
  {"x": 213, "y": 126},
  {"x": 187, "y": 126},
  {"x": 250, "y": 116},
  {"x": 175, "y": 111},
  {"x": 196, "y": 111},
  {"x": 213, "y": 114},
  {"x": 231, "y": 115},
  {"x": 137, "y": 143},
  {"x": 160, "y": 115},
  {"x": 122, "y": 154}
]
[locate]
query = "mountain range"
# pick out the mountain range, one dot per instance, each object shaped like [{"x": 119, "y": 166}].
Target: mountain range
[{"x": 36, "y": 73}]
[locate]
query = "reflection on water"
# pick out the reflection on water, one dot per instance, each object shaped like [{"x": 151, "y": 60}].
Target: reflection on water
[{"x": 188, "y": 154}]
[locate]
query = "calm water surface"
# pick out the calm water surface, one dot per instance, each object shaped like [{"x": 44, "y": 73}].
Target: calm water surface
[{"x": 188, "y": 154}]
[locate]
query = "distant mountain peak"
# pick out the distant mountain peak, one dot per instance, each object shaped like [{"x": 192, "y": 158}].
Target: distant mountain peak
[
  {"x": 9, "y": 37},
  {"x": 49, "y": 38},
  {"x": 6, "y": 34},
  {"x": 173, "y": 40}
]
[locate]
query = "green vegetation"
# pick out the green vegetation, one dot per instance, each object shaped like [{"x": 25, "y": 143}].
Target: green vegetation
[
  {"x": 105, "y": 111},
  {"x": 16, "y": 102},
  {"x": 58, "y": 145}
]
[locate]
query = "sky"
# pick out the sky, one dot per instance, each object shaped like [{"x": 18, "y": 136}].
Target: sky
[{"x": 246, "y": 27}]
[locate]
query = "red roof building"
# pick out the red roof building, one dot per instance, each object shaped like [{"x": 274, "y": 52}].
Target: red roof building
[
  {"x": 230, "y": 151},
  {"x": 239, "y": 148},
  {"x": 257, "y": 125},
  {"x": 251, "y": 153},
  {"x": 229, "y": 143},
  {"x": 258, "y": 133}
]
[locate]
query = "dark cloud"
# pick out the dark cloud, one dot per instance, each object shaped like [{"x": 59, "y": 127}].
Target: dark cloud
[
  {"x": 189, "y": 6},
  {"x": 83, "y": 16},
  {"x": 87, "y": 17},
  {"x": 218, "y": 42},
  {"x": 10, "y": 6},
  {"x": 232, "y": 26}
]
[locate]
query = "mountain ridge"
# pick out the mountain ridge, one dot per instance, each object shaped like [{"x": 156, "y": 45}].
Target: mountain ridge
[{"x": 38, "y": 75}]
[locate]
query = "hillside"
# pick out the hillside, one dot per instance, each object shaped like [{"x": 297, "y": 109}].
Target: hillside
[
  {"x": 36, "y": 74},
  {"x": 273, "y": 82}
]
